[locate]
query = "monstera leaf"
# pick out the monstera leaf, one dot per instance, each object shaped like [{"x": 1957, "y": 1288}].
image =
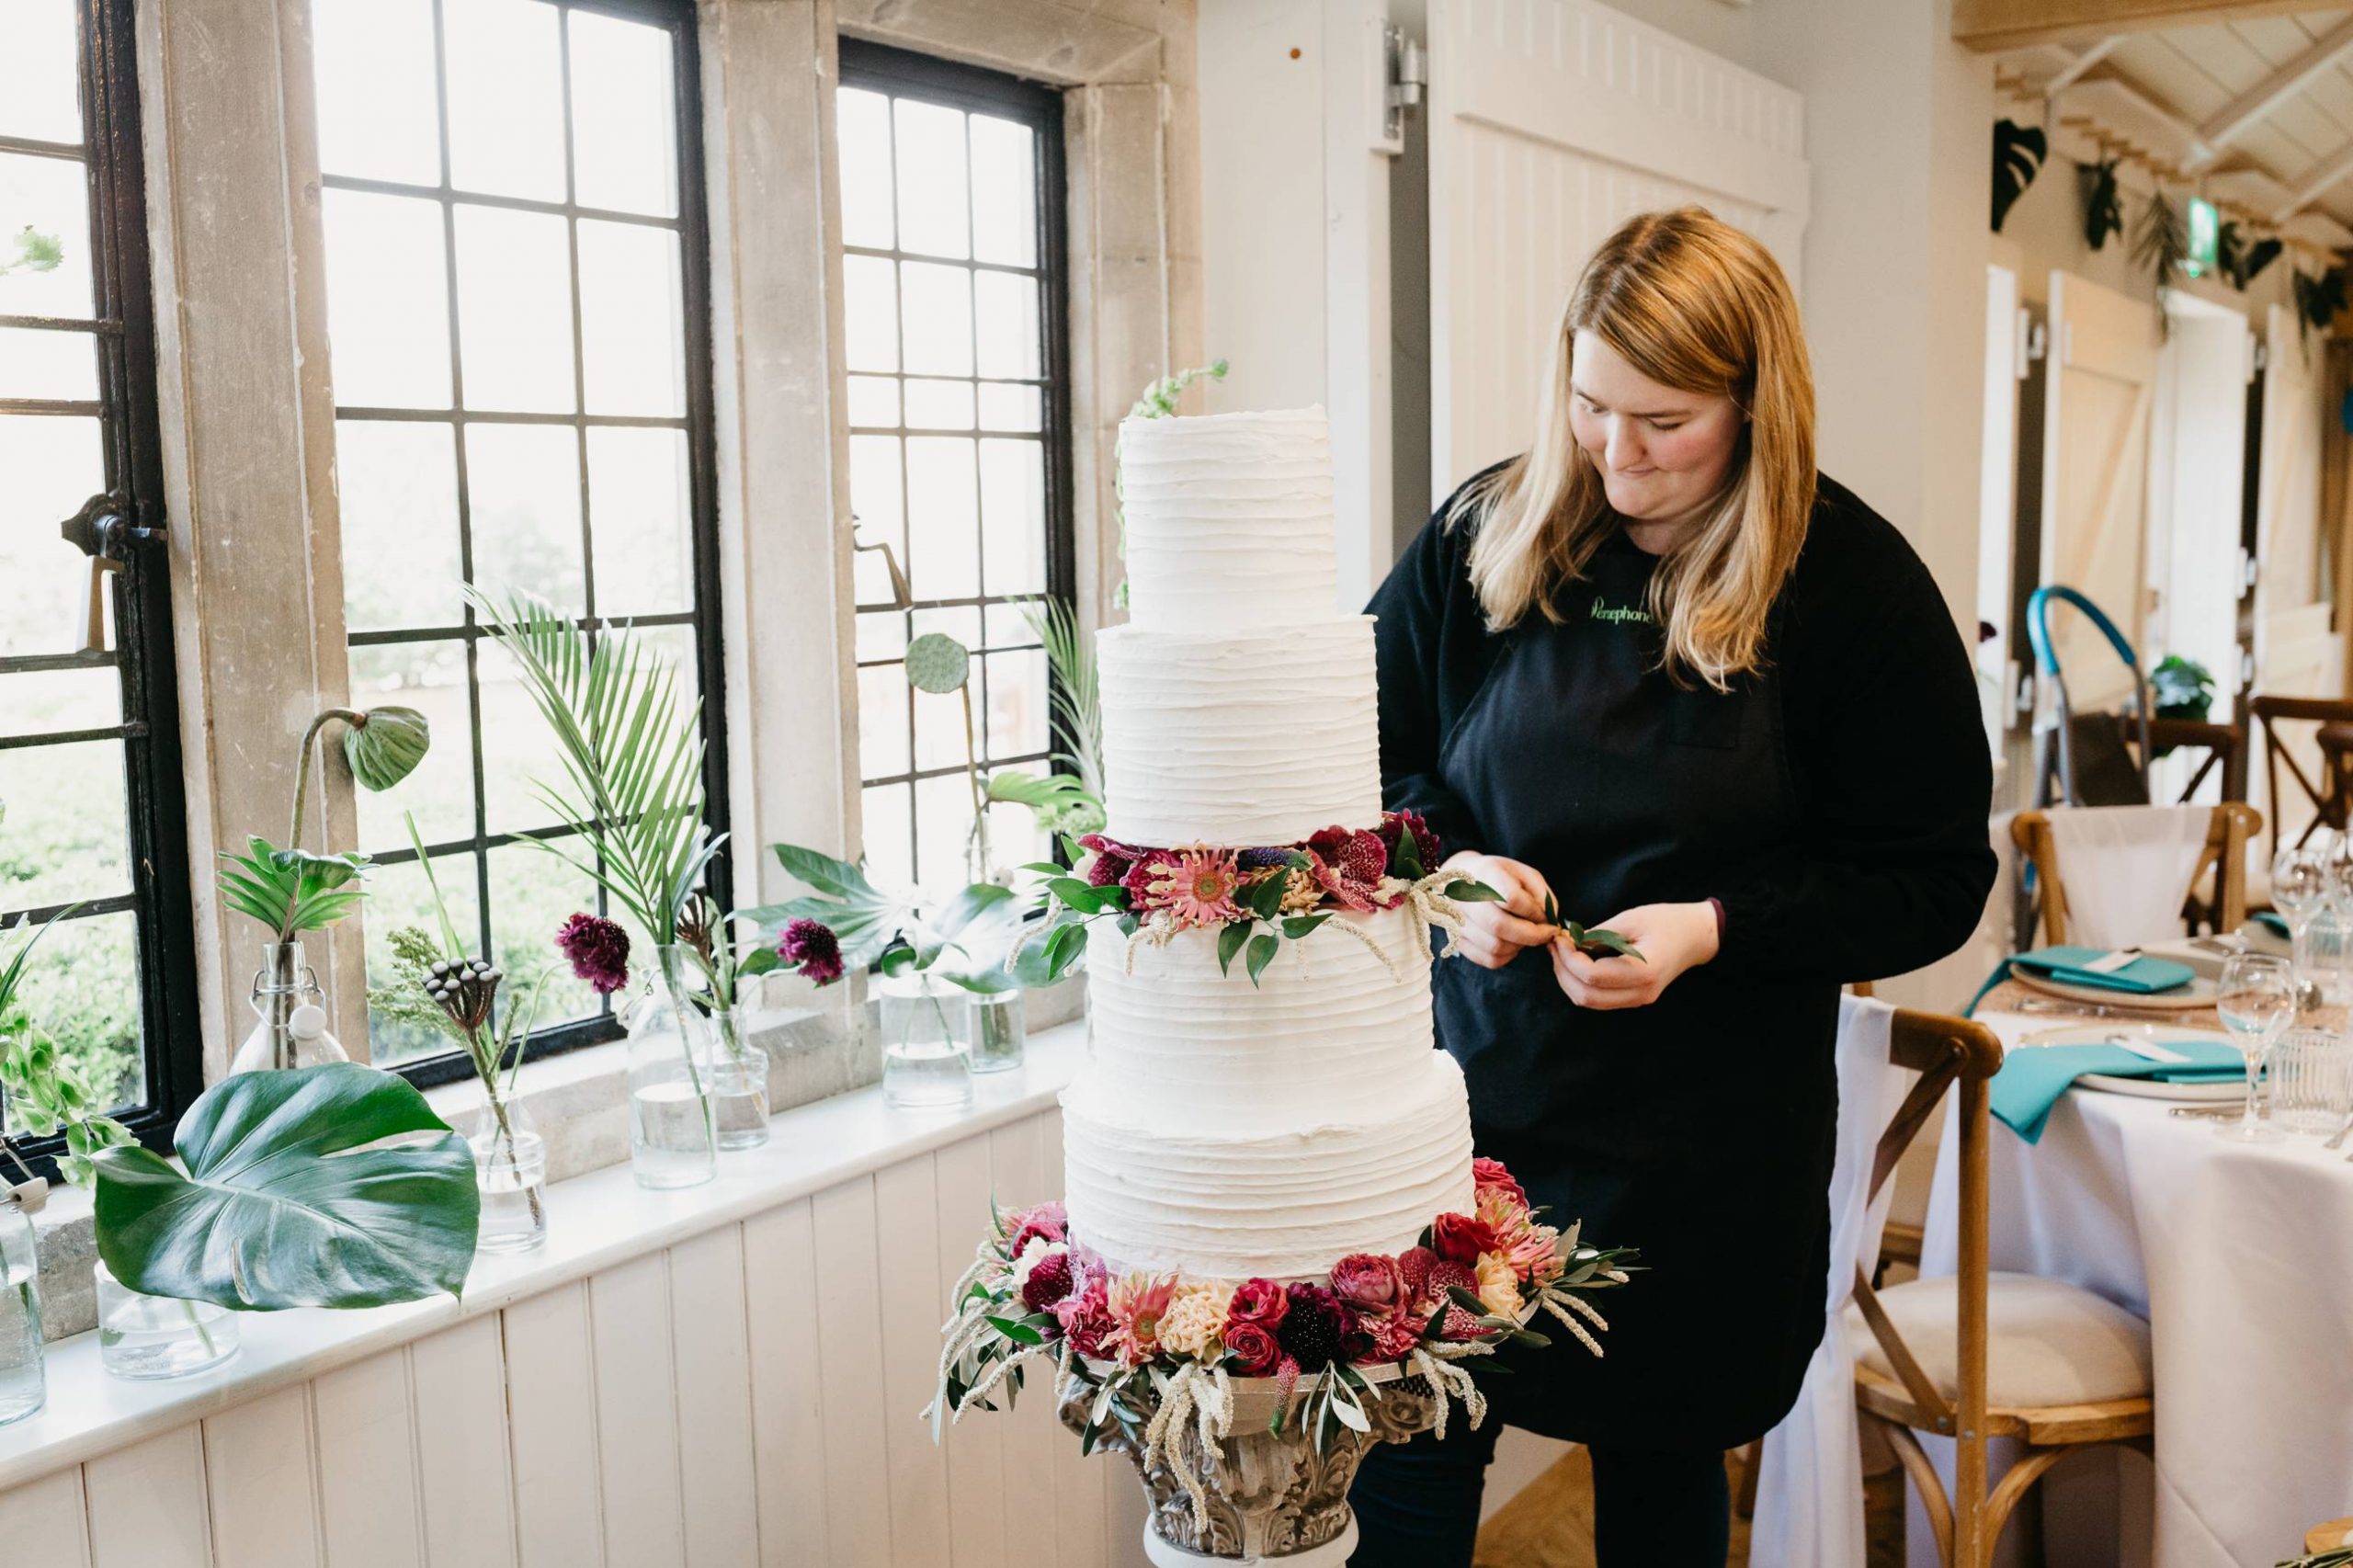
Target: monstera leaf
[
  {"x": 2019, "y": 151},
  {"x": 292, "y": 1197}
]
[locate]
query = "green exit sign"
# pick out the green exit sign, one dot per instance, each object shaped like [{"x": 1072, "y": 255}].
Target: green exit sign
[{"x": 2205, "y": 234}]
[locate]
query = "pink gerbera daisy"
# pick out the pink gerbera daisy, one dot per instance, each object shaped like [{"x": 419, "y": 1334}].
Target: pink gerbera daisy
[{"x": 1197, "y": 886}]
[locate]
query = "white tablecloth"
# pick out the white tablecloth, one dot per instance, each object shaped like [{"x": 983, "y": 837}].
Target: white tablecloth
[{"x": 2240, "y": 1257}]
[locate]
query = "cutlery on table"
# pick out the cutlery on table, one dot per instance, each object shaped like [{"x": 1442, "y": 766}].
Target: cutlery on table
[{"x": 2226, "y": 1109}]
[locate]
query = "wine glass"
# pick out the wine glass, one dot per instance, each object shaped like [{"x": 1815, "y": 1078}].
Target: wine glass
[
  {"x": 2256, "y": 1001},
  {"x": 2301, "y": 886}
]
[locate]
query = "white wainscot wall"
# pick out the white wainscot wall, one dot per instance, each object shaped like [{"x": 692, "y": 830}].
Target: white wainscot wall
[{"x": 742, "y": 1388}]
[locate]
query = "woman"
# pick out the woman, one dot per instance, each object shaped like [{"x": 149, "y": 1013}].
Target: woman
[{"x": 1662, "y": 673}]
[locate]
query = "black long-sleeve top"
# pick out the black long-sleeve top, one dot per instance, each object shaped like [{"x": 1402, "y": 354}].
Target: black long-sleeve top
[{"x": 1882, "y": 740}]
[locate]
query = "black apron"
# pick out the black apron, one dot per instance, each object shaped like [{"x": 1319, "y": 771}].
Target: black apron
[{"x": 1699, "y": 1129}]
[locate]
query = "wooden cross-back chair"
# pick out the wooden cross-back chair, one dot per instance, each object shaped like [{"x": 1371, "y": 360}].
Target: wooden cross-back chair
[
  {"x": 2234, "y": 826},
  {"x": 2329, "y": 788},
  {"x": 1934, "y": 1361}
]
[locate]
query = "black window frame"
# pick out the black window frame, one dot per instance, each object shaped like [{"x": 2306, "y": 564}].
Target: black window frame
[
  {"x": 900, "y": 73},
  {"x": 172, "y": 1036},
  {"x": 678, "y": 18}
]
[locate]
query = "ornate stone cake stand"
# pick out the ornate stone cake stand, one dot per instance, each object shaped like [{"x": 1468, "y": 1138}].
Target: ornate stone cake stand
[{"x": 1272, "y": 1498}]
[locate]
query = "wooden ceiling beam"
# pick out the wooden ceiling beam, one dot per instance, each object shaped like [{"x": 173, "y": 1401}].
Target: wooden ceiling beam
[
  {"x": 2233, "y": 119},
  {"x": 2315, "y": 183},
  {"x": 1988, "y": 25}
]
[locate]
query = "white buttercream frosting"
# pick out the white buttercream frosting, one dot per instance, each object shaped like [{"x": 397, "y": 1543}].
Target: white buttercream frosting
[
  {"x": 1239, "y": 739},
  {"x": 1229, "y": 520},
  {"x": 1226, "y": 1130}
]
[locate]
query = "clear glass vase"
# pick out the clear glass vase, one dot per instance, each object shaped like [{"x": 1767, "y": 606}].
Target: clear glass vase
[
  {"x": 1000, "y": 1030},
  {"x": 672, "y": 1127},
  {"x": 739, "y": 1081},
  {"x": 511, "y": 1170},
  {"x": 290, "y": 1026},
  {"x": 927, "y": 1042},
  {"x": 23, "y": 1375},
  {"x": 144, "y": 1337}
]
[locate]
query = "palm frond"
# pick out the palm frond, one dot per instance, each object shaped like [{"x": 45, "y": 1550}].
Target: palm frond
[
  {"x": 1077, "y": 705},
  {"x": 631, "y": 753}
]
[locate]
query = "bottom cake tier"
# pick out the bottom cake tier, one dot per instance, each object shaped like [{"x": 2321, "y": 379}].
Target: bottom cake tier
[{"x": 1148, "y": 1190}]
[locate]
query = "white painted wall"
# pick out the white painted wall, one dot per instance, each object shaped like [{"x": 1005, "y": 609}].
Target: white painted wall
[
  {"x": 745, "y": 1397},
  {"x": 1295, "y": 239}
]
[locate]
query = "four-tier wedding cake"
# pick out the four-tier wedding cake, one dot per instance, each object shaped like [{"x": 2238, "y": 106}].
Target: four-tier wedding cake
[{"x": 1224, "y": 1129}]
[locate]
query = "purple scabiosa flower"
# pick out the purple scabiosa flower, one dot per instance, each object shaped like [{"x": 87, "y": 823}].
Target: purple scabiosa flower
[
  {"x": 1259, "y": 859},
  {"x": 811, "y": 947},
  {"x": 598, "y": 949}
]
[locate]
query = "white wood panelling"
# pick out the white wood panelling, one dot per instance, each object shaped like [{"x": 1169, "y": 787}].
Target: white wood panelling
[
  {"x": 745, "y": 1396},
  {"x": 1552, "y": 122}
]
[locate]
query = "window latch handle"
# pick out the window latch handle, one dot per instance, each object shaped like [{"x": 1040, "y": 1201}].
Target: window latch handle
[{"x": 103, "y": 530}]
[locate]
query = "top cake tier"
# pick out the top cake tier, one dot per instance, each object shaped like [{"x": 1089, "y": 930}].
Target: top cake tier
[{"x": 1229, "y": 520}]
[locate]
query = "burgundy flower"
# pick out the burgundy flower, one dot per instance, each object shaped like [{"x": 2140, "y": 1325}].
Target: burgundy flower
[
  {"x": 1318, "y": 1329},
  {"x": 1364, "y": 858},
  {"x": 1369, "y": 1281},
  {"x": 1459, "y": 1238},
  {"x": 1487, "y": 1174},
  {"x": 598, "y": 949},
  {"x": 1445, "y": 1276},
  {"x": 1138, "y": 880},
  {"x": 1327, "y": 842},
  {"x": 811, "y": 947},
  {"x": 1261, "y": 1301},
  {"x": 1252, "y": 1347},
  {"x": 1413, "y": 1267},
  {"x": 1395, "y": 825},
  {"x": 1051, "y": 1278},
  {"x": 1112, "y": 862}
]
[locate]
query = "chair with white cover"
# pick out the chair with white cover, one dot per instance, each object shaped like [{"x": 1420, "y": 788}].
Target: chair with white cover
[
  {"x": 1807, "y": 1498},
  {"x": 2114, "y": 876},
  {"x": 1979, "y": 1355}
]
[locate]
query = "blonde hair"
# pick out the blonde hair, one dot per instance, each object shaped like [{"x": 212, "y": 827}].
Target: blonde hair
[{"x": 1696, "y": 305}]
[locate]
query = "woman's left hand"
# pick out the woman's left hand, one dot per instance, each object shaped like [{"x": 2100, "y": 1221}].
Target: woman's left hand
[{"x": 1671, "y": 938}]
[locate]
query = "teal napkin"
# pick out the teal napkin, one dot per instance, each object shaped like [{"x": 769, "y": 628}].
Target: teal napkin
[
  {"x": 2034, "y": 1077},
  {"x": 2144, "y": 975},
  {"x": 2272, "y": 922}
]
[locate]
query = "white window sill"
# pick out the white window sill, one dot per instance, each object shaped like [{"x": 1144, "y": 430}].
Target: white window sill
[{"x": 594, "y": 1221}]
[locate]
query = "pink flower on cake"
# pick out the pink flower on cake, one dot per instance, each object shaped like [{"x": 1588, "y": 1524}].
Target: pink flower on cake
[
  {"x": 1136, "y": 1302},
  {"x": 1489, "y": 1175},
  {"x": 1530, "y": 1246},
  {"x": 1460, "y": 1238},
  {"x": 1195, "y": 886},
  {"x": 1394, "y": 1336},
  {"x": 1253, "y": 1349},
  {"x": 1261, "y": 1301},
  {"x": 1086, "y": 1317},
  {"x": 1498, "y": 1285},
  {"x": 1369, "y": 1282},
  {"x": 1446, "y": 1276},
  {"x": 1047, "y": 1220},
  {"x": 1349, "y": 865}
]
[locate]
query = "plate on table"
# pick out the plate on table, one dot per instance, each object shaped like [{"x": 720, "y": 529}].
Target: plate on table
[
  {"x": 2197, "y": 992},
  {"x": 2098, "y": 1032}
]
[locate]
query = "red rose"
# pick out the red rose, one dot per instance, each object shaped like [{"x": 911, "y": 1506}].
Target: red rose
[
  {"x": 1459, "y": 1238},
  {"x": 1369, "y": 1281},
  {"x": 1253, "y": 1349},
  {"x": 1260, "y": 1302},
  {"x": 1487, "y": 1174}
]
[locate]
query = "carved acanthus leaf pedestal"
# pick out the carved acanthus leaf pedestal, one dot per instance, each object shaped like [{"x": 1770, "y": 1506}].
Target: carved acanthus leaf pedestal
[{"x": 1272, "y": 1497}]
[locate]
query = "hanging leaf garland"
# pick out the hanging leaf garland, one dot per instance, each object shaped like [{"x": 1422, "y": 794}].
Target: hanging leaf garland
[
  {"x": 2019, "y": 151},
  {"x": 2161, "y": 242},
  {"x": 2103, "y": 208}
]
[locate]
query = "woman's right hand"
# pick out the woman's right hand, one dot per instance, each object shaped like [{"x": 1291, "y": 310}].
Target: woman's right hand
[{"x": 1494, "y": 934}]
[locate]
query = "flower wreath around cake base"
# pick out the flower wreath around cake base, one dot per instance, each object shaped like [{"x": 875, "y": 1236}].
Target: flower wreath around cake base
[
  {"x": 1255, "y": 899},
  {"x": 1158, "y": 1351}
]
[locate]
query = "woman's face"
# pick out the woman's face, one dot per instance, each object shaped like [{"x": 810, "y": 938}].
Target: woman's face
[{"x": 1663, "y": 453}]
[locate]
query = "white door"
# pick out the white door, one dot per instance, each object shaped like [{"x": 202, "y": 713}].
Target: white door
[
  {"x": 1547, "y": 128},
  {"x": 2295, "y": 653},
  {"x": 2197, "y": 472},
  {"x": 2096, "y": 404}
]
